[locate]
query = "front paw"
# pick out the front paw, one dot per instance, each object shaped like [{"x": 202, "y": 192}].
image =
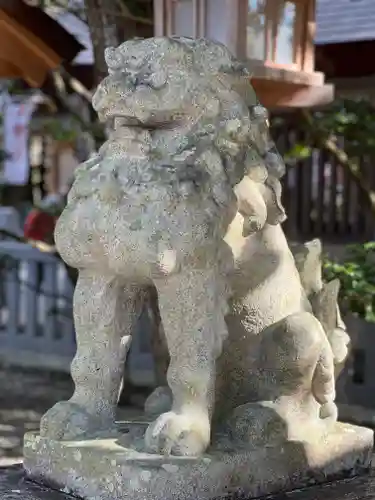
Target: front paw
[
  {"x": 179, "y": 434},
  {"x": 68, "y": 421}
]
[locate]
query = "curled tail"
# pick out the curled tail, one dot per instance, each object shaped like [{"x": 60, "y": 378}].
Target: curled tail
[
  {"x": 323, "y": 384},
  {"x": 323, "y": 298}
]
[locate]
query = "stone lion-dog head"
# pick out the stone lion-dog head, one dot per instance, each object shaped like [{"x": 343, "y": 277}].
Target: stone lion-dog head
[{"x": 192, "y": 102}]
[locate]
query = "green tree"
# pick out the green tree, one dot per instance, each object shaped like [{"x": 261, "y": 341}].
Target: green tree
[{"x": 348, "y": 121}]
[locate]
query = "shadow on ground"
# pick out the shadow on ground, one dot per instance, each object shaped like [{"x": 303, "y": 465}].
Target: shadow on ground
[{"x": 24, "y": 397}]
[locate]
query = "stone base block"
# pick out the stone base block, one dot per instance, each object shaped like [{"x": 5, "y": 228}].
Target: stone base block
[{"x": 117, "y": 468}]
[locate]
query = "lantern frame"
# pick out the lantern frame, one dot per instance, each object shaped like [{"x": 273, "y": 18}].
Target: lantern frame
[
  {"x": 278, "y": 85},
  {"x": 303, "y": 34}
]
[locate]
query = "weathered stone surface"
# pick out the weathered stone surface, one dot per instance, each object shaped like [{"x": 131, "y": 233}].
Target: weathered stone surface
[
  {"x": 153, "y": 207},
  {"x": 103, "y": 469},
  {"x": 14, "y": 486},
  {"x": 185, "y": 195}
]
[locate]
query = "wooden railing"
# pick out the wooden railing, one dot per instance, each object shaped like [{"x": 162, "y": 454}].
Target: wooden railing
[{"x": 36, "y": 323}]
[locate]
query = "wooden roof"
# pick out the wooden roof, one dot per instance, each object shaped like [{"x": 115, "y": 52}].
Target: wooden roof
[
  {"x": 340, "y": 21},
  {"x": 32, "y": 43}
]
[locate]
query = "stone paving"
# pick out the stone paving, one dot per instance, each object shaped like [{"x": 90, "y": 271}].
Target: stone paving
[{"x": 24, "y": 398}]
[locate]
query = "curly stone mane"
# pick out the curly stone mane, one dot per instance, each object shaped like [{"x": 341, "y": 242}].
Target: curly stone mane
[{"x": 216, "y": 59}]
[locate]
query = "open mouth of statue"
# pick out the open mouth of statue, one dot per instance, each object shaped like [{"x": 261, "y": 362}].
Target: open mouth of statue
[
  {"x": 121, "y": 121},
  {"x": 118, "y": 121}
]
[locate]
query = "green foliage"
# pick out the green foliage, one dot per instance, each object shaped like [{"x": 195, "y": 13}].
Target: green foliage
[
  {"x": 60, "y": 130},
  {"x": 297, "y": 153},
  {"x": 357, "y": 278},
  {"x": 17, "y": 87},
  {"x": 354, "y": 120},
  {"x": 141, "y": 9}
]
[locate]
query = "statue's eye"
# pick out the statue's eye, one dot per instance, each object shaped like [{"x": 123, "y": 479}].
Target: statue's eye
[
  {"x": 134, "y": 62},
  {"x": 156, "y": 80}
]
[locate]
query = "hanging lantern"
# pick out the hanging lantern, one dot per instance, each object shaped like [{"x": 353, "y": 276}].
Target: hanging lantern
[
  {"x": 214, "y": 19},
  {"x": 276, "y": 32},
  {"x": 275, "y": 37}
]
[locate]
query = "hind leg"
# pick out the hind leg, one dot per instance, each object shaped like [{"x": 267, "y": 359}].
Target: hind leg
[
  {"x": 104, "y": 313},
  {"x": 160, "y": 400},
  {"x": 294, "y": 374}
]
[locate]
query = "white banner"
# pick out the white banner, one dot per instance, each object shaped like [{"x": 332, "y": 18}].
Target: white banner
[{"x": 16, "y": 135}]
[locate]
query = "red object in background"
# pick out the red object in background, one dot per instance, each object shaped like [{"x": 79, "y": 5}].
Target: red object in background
[
  {"x": 19, "y": 129},
  {"x": 39, "y": 226}
]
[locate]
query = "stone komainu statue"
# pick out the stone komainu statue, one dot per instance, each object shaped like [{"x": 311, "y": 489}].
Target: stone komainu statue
[{"x": 185, "y": 195}]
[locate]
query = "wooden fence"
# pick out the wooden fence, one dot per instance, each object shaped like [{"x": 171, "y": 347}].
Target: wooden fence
[{"x": 321, "y": 198}]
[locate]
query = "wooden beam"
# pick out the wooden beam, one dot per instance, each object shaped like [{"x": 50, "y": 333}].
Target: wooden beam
[
  {"x": 202, "y": 18},
  {"x": 8, "y": 69},
  {"x": 235, "y": 28},
  {"x": 309, "y": 59},
  {"x": 15, "y": 54},
  {"x": 170, "y": 21},
  {"x": 21, "y": 49},
  {"x": 159, "y": 17},
  {"x": 243, "y": 10},
  {"x": 35, "y": 44},
  {"x": 300, "y": 33},
  {"x": 196, "y": 22},
  {"x": 267, "y": 71},
  {"x": 282, "y": 95}
]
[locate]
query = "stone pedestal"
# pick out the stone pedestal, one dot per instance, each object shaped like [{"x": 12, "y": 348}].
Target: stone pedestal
[{"x": 117, "y": 468}]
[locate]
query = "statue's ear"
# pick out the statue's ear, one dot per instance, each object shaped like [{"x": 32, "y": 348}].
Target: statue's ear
[
  {"x": 275, "y": 210},
  {"x": 324, "y": 305},
  {"x": 251, "y": 206},
  {"x": 308, "y": 258}
]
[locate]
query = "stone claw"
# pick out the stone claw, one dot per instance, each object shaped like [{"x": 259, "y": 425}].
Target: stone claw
[{"x": 178, "y": 434}]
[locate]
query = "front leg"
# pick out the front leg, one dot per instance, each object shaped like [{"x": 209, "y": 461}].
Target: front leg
[
  {"x": 104, "y": 314},
  {"x": 192, "y": 307}
]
